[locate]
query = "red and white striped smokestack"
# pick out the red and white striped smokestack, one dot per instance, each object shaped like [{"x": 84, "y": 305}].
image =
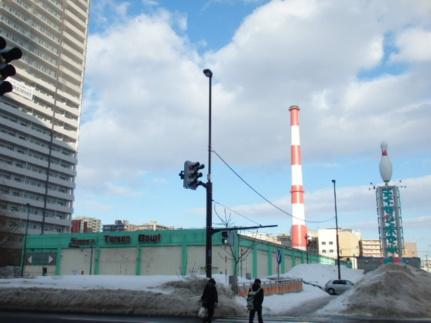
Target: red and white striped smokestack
[{"x": 298, "y": 230}]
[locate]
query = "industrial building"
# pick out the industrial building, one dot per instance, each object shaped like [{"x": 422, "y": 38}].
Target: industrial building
[
  {"x": 39, "y": 120},
  {"x": 160, "y": 252}
]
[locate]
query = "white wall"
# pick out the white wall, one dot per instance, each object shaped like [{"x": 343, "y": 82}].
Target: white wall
[
  {"x": 37, "y": 270},
  {"x": 117, "y": 261},
  {"x": 262, "y": 264},
  {"x": 161, "y": 261},
  {"x": 73, "y": 261},
  {"x": 196, "y": 260},
  {"x": 247, "y": 263},
  {"x": 222, "y": 260}
]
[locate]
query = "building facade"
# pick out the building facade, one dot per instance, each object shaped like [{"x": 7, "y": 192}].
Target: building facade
[
  {"x": 162, "y": 252},
  {"x": 124, "y": 225},
  {"x": 93, "y": 224},
  {"x": 370, "y": 248},
  {"x": 39, "y": 120},
  {"x": 410, "y": 249},
  {"x": 348, "y": 244},
  {"x": 86, "y": 224}
]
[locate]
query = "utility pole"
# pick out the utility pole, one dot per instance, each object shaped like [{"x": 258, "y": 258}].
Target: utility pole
[
  {"x": 209, "y": 187},
  {"x": 336, "y": 231},
  {"x": 25, "y": 240}
]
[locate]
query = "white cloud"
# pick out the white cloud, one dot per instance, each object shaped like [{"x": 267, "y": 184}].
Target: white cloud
[
  {"x": 148, "y": 96},
  {"x": 351, "y": 202},
  {"x": 414, "y": 45}
]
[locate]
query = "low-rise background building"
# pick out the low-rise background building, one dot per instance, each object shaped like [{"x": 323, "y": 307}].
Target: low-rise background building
[
  {"x": 370, "y": 248},
  {"x": 86, "y": 224}
]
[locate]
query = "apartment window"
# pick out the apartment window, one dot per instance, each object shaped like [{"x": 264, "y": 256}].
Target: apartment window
[
  {"x": 323, "y": 251},
  {"x": 331, "y": 242},
  {"x": 323, "y": 242},
  {"x": 331, "y": 250}
]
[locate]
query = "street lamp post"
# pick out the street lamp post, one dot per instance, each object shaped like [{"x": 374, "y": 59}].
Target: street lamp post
[
  {"x": 306, "y": 245},
  {"x": 209, "y": 188},
  {"x": 336, "y": 231},
  {"x": 25, "y": 240}
]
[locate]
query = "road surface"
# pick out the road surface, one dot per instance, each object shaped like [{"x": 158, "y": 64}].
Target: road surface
[{"x": 29, "y": 317}]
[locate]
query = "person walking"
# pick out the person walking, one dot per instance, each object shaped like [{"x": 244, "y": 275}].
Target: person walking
[
  {"x": 209, "y": 299},
  {"x": 254, "y": 301}
]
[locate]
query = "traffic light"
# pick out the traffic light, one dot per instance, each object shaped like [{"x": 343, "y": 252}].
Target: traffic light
[
  {"x": 191, "y": 174},
  {"x": 228, "y": 238},
  {"x": 6, "y": 69},
  {"x": 225, "y": 237}
]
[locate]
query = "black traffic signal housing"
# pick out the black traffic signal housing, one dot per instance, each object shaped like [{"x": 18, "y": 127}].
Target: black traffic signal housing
[
  {"x": 191, "y": 174},
  {"x": 6, "y": 69},
  {"x": 224, "y": 237}
]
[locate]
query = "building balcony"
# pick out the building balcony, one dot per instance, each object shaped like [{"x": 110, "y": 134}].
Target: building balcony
[
  {"x": 61, "y": 169},
  {"x": 69, "y": 73},
  {"x": 74, "y": 99},
  {"x": 33, "y": 79},
  {"x": 70, "y": 51},
  {"x": 72, "y": 110},
  {"x": 75, "y": 19},
  {"x": 24, "y": 129},
  {"x": 69, "y": 133},
  {"x": 79, "y": 46},
  {"x": 73, "y": 29},
  {"x": 64, "y": 157},
  {"x": 59, "y": 181},
  {"x": 71, "y": 122},
  {"x": 43, "y": 96},
  {"x": 21, "y": 157},
  {"x": 79, "y": 12},
  {"x": 76, "y": 64}
]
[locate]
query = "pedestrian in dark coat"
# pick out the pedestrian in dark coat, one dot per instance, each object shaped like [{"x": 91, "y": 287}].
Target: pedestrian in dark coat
[
  {"x": 209, "y": 299},
  {"x": 258, "y": 300}
]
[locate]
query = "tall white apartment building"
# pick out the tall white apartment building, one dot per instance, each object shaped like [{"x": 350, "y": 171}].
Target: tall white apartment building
[{"x": 39, "y": 120}]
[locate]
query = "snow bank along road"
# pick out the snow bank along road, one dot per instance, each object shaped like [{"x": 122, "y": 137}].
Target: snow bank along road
[{"x": 392, "y": 291}]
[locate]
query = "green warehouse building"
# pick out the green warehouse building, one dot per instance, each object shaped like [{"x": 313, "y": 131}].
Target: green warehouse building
[{"x": 161, "y": 252}]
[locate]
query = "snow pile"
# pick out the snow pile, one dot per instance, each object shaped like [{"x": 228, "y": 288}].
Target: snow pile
[
  {"x": 320, "y": 274},
  {"x": 393, "y": 290},
  {"x": 311, "y": 298},
  {"x": 89, "y": 282},
  {"x": 160, "y": 295},
  {"x": 177, "y": 298}
]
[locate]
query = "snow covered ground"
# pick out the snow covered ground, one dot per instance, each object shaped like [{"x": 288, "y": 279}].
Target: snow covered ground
[
  {"x": 377, "y": 293},
  {"x": 393, "y": 290}
]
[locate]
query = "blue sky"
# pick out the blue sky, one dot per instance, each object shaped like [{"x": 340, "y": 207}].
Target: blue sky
[{"x": 358, "y": 70}]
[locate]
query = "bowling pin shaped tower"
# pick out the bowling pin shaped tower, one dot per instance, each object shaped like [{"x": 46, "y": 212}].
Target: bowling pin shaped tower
[{"x": 385, "y": 165}]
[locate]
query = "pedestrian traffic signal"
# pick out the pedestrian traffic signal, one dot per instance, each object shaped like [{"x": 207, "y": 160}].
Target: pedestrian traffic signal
[
  {"x": 225, "y": 237},
  {"x": 191, "y": 174},
  {"x": 6, "y": 69}
]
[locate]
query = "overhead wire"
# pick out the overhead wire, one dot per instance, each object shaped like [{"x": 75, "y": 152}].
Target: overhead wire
[
  {"x": 263, "y": 197},
  {"x": 236, "y": 212}
]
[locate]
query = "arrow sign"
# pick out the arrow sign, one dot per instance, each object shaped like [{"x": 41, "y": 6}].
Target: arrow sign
[
  {"x": 41, "y": 258},
  {"x": 278, "y": 256}
]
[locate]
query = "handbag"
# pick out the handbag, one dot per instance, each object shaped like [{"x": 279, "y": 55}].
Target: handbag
[{"x": 203, "y": 312}]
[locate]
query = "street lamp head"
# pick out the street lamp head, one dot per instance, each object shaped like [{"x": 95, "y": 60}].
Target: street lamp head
[
  {"x": 333, "y": 181},
  {"x": 208, "y": 72}
]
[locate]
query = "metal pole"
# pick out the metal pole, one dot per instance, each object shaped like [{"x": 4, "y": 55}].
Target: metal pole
[
  {"x": 336, "y": 230},
  {"x": 91, "y": 257},
  {"x": 209, "y": 231},
  {"x": 25, "y": 240},
  {"x": 306, "y": 245}
]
